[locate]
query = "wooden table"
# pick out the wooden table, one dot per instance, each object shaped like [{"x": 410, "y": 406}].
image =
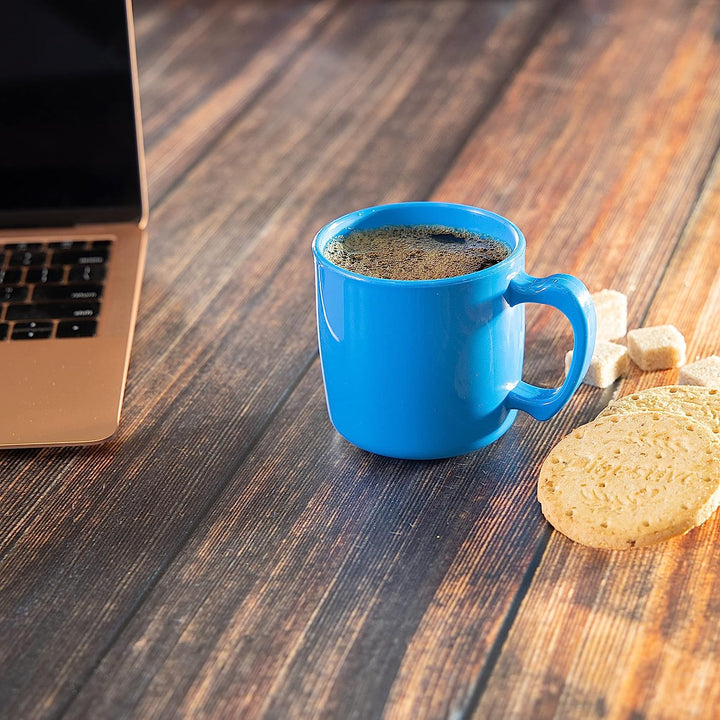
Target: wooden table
[{"x": 227, "y": 554}]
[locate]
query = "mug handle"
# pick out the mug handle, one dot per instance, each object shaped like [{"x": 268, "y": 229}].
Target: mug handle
[{"x": 571, "y": 297}]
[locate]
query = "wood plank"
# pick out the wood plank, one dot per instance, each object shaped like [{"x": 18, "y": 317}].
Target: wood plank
[
  {"x": 305, "y": 564},
  {"x": 201, "y": 69},
  {"x": 226, "y": 326},
  {"x": 330, "y": 583},
  {"x": 674, "y": 170},
  {"x": 620, "y": 156},
  {"x": 631, "y": 634}
]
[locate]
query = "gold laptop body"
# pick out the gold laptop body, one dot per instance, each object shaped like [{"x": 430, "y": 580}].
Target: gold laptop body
[{"x": 69, "y": 390}]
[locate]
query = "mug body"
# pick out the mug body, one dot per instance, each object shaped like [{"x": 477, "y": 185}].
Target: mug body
[{"x": 420, "y": 369}]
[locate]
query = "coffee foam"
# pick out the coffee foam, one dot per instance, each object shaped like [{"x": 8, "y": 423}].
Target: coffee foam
[{"x": 416, "y": 252}]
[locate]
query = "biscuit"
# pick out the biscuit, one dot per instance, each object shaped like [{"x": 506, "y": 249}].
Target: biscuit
[
  {"x": 656, "y": 348},
  {"x": 697, "y": 403},
  {"x": 630, "y": 480},
  {"x": 703, "y": 372}
]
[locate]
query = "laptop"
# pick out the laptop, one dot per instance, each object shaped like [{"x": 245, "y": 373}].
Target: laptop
[{"x": 73, "y": 211}]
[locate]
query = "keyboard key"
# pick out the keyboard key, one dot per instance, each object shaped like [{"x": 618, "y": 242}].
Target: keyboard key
[
  {"x": 53, "y": 311},
  {"x": 96, "y": 256},
  {"x": 10, "y": 277},
  {"x": 101, "y": 243},
  {"x": 32, "y": 331},
  {"x": 44, "y": 275},
  {"x": 25, "y": 258},
  {"x": 85, "y": 291},
  {"x": 81, "y": 328},
  {"x": 88, "y": 273},
  {"x": 24, "y": 246},
  {"x": 16, "y": 293},
  {"x": 67, "y": 245},
  {"x": 3, "y": 331}
]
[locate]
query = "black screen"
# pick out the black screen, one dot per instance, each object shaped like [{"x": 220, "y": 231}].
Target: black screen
[{"x": 68, "y": 145}]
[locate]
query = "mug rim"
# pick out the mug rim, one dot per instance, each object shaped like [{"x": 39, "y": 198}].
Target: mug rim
[{"x": 347, "y": 221}]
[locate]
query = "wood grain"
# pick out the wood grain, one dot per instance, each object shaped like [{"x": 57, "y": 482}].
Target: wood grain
[
  {"x": 308, "y": 566},
  {"x": 615, "y": 647},
  {"x": 214, "y": 62},
  {"x": 227, "y": 554},
  {"x": 340, "y": 585},
  {"x": 220, "y": 341}
]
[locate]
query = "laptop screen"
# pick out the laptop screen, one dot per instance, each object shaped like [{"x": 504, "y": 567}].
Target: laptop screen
[{"x": 68, "y": 143}]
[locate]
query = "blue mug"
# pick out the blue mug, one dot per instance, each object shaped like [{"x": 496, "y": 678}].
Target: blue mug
[{"x": 427, "y": 369}]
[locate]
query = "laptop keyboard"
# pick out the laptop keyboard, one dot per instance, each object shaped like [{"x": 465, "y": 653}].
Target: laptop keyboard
[{"x": 51, "y": 289}]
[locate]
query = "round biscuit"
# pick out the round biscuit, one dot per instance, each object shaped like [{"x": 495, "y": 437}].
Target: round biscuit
[
  {"x": 692, "y": 401},
  {"x": 631, "y": 479}
]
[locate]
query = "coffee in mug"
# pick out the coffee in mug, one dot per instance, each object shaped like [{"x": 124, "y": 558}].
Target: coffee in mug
[{"x": 415, "y": 252}]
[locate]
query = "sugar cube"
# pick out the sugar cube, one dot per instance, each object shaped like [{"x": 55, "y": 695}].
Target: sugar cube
[
  {"x": 609, "y": 361},
  {"x": 703, "y": 372},
  {"x": 656, "y": 348},
  {"x": 611, "y": 311}
]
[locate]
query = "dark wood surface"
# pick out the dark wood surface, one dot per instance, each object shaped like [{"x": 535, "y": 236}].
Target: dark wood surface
[{"x": 227, "y": 555}]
